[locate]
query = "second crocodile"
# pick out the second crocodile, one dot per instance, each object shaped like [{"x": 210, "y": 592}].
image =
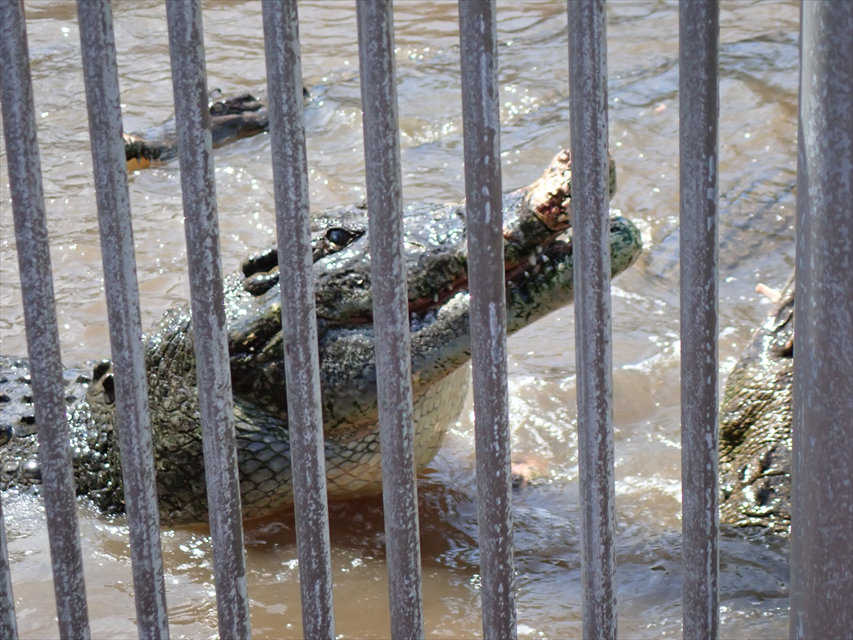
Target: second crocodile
[{"x": 231, "y": 118}]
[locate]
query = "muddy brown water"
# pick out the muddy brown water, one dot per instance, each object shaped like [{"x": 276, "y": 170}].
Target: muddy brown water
[{"x": 758, "y": 63}]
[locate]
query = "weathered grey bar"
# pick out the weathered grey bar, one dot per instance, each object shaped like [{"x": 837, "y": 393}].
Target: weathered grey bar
[
  {"x": 8, "y": 623},
  {"x": 698, "y": 117},
  {"x": 593, "y": 348},
  {"x": 484, "y": 220},
  {"x": 299, "y": 323},
  {"x": 822, "y": 471},
  {"x": 201, "y": 226},
  {"x": 390, "y": 314},
  {"x": 28, "y": 210},
  {"x": 100, "y": 73}
]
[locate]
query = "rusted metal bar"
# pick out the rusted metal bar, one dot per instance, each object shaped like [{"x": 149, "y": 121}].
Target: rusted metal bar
[
  {"x": 484, "y": 219},
  {"x": 28, "y": 210},
  {"x": 298, "y": 316},
  {"x": 698, "y": 118},
  {"x": 822, "y": 471},
  {"x": 201, "y": 225},
  {"x": 8, "y": 623},
  {"x": 100, "y": 72},
  {"x": 390, "y": 314},
  {"x": 593, "y": 339}
]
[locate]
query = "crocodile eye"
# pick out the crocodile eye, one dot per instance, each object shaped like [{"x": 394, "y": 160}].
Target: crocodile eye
[{"x": 342, "y": 237}]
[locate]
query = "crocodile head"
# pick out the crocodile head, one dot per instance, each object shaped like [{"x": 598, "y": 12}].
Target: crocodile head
[
  {"x": 538, "y": 273},
  {"x": 537, "y": 252}
]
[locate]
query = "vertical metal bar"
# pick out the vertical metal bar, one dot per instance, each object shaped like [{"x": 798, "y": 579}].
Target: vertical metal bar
[
  {"x": 822, "y": 472},
  {"x": 22, "y": 158},
  {"x": 591, "y": 246},
  {"x": 8, "y": 623},
  {"x": 390, "y": 314},
  {"x": 298, "y": 316},
  {"x": 195, "y": 152},
  {"x": 100, "y": 72},
  {"x": 698, "y": 116},
  {"x": 481, "y": 118}
]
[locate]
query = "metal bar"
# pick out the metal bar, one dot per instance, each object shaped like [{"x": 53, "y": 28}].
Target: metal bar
[
  {"x": 100, "y": 72},
  {"x": 822, "y": 495},
  {"x": 591, "y": 246},
  {"x": 698, "y": 118},
  {"x": 298, "y": 316},
  {"x": 8, "y": 623},
  {"x": 22, "y": 158},
  {"x": 481, "y": 118},
  {"x": 195, "y": 152},
  {"x": 390, "y": 314}
]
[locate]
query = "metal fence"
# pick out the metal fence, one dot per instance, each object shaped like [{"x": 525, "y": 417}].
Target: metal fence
[{"x": 823, "y": 465}]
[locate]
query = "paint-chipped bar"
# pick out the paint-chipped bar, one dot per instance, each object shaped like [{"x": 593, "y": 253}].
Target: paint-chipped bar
[
  {"x": 822, "y": 469},
  {"x": 698, "y": 118},
  {"x": 298, "y": 321},
  {"x": 484, "y": 220},
  {"x": 593, "y": 332},
  {"x": 100, "y": 72},
  {"x": 28, "y": 210},
  {"x": 195, "y": 153},
  {"x": 390, "y": 314}
]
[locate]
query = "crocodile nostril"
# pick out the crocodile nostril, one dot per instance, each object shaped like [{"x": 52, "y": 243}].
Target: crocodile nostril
[
  {"x": 109, "y": 389},
  {"x": 260, "y": 263}
]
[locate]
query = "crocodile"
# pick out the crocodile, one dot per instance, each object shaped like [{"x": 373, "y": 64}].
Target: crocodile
[
  {"x": 756, "y": 416},
  {"x": 538, "y": 271},
  {"x": 231, "y": 118}
]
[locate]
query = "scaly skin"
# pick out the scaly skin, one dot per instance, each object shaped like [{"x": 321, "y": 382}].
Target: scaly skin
[
  {"x": 755, "y": 426},
  {"x": 539, "y": 280}
]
